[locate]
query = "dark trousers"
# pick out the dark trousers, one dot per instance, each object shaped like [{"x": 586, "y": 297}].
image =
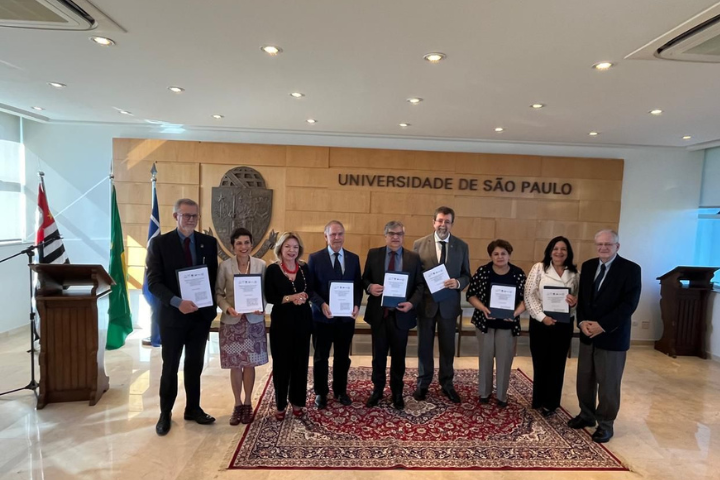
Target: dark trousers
[
  {"x": 599, "y": 377},
  {"x": 338, "y": 335},
  {"x": 290, "y": 349},
  {"x": 549, "y": 346},
  {"x": 386, "y": 336},
  {"x": 446, "y": 345},
  {"x": 191, "y": 335}
]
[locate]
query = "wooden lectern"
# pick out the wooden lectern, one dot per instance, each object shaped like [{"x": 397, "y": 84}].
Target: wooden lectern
[
  {"x": 683, "y": 308},
  {"x": 72, "y": 347}
]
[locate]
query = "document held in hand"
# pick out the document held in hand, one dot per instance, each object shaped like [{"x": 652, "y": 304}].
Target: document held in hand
[
  {"x": 554, "y": 303},
  {"x": 342, "y": 300},
  {"x": 502, "y": 300},
  {"x": 394, "y": 288},
  {"x": 248, "y": 293},
  {"x": 194, "y": 285},
  {"x": 435, "y": 279}
]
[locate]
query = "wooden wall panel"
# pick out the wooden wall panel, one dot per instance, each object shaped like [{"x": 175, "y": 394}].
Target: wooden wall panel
[{"x": 307, "y": 194}]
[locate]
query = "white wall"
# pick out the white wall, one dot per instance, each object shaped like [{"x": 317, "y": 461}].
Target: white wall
[
  {"x": 658, "y": 220},
  {"x": 14, "y": 276}
]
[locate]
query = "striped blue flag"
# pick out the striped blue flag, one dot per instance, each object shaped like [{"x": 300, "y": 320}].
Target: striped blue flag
[{"x": 153, "y": 231}]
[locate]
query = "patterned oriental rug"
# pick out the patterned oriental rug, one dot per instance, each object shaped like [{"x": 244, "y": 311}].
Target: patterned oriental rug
[{"x": 433, "y": 435}]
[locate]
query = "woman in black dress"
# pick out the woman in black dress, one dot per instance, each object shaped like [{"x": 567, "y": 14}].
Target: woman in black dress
[{"x": 291, "y": 323}]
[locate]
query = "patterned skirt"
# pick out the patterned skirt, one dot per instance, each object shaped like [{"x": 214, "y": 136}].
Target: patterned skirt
[{"x": 243, "y": 344}]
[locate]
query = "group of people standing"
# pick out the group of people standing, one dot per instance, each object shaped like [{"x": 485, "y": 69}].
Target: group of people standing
[{"x": 602, "y": 297}]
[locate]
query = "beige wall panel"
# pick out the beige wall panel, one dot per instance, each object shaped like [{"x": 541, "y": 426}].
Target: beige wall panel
[
  {"x": 600, "y": 211},
  {"x": 585, "y": 251},
  {"x": 466, "y": 228},
  {"x": 355, "y": 223},
  {"x": 509, "y": 228},
  {"x": 135, "y": 277},
  {"x": 499, "y": 165},
  {"x": 135, "y": 233},
  {"x": 274, "y": 180},
  {"x": 238, "y": 154},
  {"x": 179, "y": 173},
  {"x": 526, "y": 209},
  {"x": 557, "y": 210},
  {"x": 403, "y": 160},
  {"x": 478, "y": 248},
  {"x": 525, "y": 265},
  {"x": 599, "y": 189},
  {"x": 390, "y": 203},
  {"x": 593, "y": 168},
  {"x": 485, "y": 207},
  {"x": 135, "y": 256},
  {"x": 582, "y": 230},
  {"x": 314, "y": 157},
  {"x": 141, "y": 214},
  {"x": 141, "y": 150},
  {"x": 523, "y": 249},
  {"x": 311, "y": 199},
  {"x": 141, "y": 193}
]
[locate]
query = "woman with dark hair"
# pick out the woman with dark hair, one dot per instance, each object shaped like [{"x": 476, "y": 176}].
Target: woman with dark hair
[
  {"x": 496, "y": 336},
  {"x": 550, "y": 339},
  {"x": 243, "y": 344},
  {"x": 286, "y": 287}
]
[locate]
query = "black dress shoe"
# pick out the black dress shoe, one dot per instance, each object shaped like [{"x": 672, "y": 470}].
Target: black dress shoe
[
  {"x": 501, "y": 404},
  {"x": 163, "y": 425},
  {"x": 374, "y": 399},
  {"x": 579, "y": 422},
  {"x": 200, "y": 417},
  {"x": 451, "y": 394},
  {"x": 484, "y": 400},
  {"x": 601, "y": 435},
  {"x": 344, "y": 399},
  {"x": 420, "y": 394},
  {"x": 546, "y": 412},
  {"x": 398, "y": 401},
  {"x": 321, "y": 402}
]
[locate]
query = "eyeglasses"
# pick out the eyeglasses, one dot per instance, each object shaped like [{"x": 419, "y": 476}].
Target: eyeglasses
[
  {"x": 606, "y": 245},
  {"x": 395, "y": 234},
  {"x": 188, "y": 216},
  {"x": 444, "y": 222}
]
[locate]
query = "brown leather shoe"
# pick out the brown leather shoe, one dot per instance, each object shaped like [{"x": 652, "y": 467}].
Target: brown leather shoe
[
  {"x": 236, "y": 416},
  {"x": 246, "y": 416}
]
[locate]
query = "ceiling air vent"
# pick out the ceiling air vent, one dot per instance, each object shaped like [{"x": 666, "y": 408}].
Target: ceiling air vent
[
  {"x": 696, "y": 40},
  {"x": 45, "y": 14}
]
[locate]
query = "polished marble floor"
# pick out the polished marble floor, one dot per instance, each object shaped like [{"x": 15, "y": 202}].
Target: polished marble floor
[{"x": 668, "y": 428}]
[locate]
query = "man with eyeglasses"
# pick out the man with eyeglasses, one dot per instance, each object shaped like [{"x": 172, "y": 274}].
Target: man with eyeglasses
[
  {"x": 441, "y": 248},
  {"x": 390, "y": 326},
  {"x": 609, "y": 293},
  {"x": 182, "y": 324}
]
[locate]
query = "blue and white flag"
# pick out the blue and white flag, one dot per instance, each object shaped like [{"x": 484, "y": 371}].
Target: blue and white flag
[{"x": 153, "y": 231}]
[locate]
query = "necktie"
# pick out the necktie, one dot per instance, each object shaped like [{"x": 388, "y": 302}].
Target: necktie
[
  {"x": 188, "y": 255},
  {"x": 391, "y": 268},
  {"x": 336, "y": 266},
  {"x": 443, "y": 251},
  {"x": 599, "y": 278}
]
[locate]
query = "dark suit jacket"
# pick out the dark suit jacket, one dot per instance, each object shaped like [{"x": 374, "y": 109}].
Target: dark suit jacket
[
  {"x": 375, "y": 273},
  {"x": 613, "y": 305},
  {"x": 457, "y": 265},
  {"x": 164, "y": 257},
  {"x": 322, "y": 273}
]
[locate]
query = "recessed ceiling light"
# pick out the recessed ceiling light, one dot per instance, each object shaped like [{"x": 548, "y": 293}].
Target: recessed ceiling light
[
  {"x": 499, "y": 129},
  {"x": 176, "y": 89},
  {"x": 657, "y": 111},
  {"x": 414, "y": 100},
  {"x": 602, "y": 66},
  {"x": 124, "y": 112},
  {"x": 218, "y": 117},
  {"x": 297, "y": 95},
  {"x": 434, "y": 57},
  {"x": 311, "y": 121},
  {"x": 39, "y": 109},
  {"x": 404, "y": 125},
  {"x": 687, "y": 137},
  {"x": 57, "y": 84},
  {"x": 104, "y": 41},
  {"x": 271, "y": 49},
  {"x": 593, "y": 134},
  {"x": 537, "y": 105}
]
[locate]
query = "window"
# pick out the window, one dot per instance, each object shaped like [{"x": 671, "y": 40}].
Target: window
[
  {"x": 12, "y": 173},
  {"x": 707, "y": 245}
]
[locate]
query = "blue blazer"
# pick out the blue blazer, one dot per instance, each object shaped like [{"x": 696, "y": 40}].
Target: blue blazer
[{"x": 322, "y": 273}]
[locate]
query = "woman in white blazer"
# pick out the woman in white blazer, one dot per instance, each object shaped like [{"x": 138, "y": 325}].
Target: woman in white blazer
[
  {"x": 243, "y": 343},
  {"x": 550, "y": 339}
]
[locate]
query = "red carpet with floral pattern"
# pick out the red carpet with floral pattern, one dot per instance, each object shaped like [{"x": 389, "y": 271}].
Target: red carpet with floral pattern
[{"x": 435, "y": 434}]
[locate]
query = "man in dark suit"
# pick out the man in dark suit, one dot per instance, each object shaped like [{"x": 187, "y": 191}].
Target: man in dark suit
[
  {"x": 390, "y": 325},
  {"x": 435, "y": 249},
  {"x": 333, "y": 263},
  {"x": 609, "y": 293},
  {"x": 182, "y": 323}
]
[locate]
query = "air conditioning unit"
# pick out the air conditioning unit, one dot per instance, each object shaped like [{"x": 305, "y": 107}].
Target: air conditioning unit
[
  {"x": 54, "y": 15},
  {"x": 697, "y": 40}
]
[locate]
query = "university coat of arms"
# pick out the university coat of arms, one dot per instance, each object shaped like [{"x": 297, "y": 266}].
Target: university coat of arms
[{"x": 242, "y": 200}]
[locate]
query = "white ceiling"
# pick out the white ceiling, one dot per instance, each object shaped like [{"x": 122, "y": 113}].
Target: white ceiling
[{"x": 358, "y": 61}]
